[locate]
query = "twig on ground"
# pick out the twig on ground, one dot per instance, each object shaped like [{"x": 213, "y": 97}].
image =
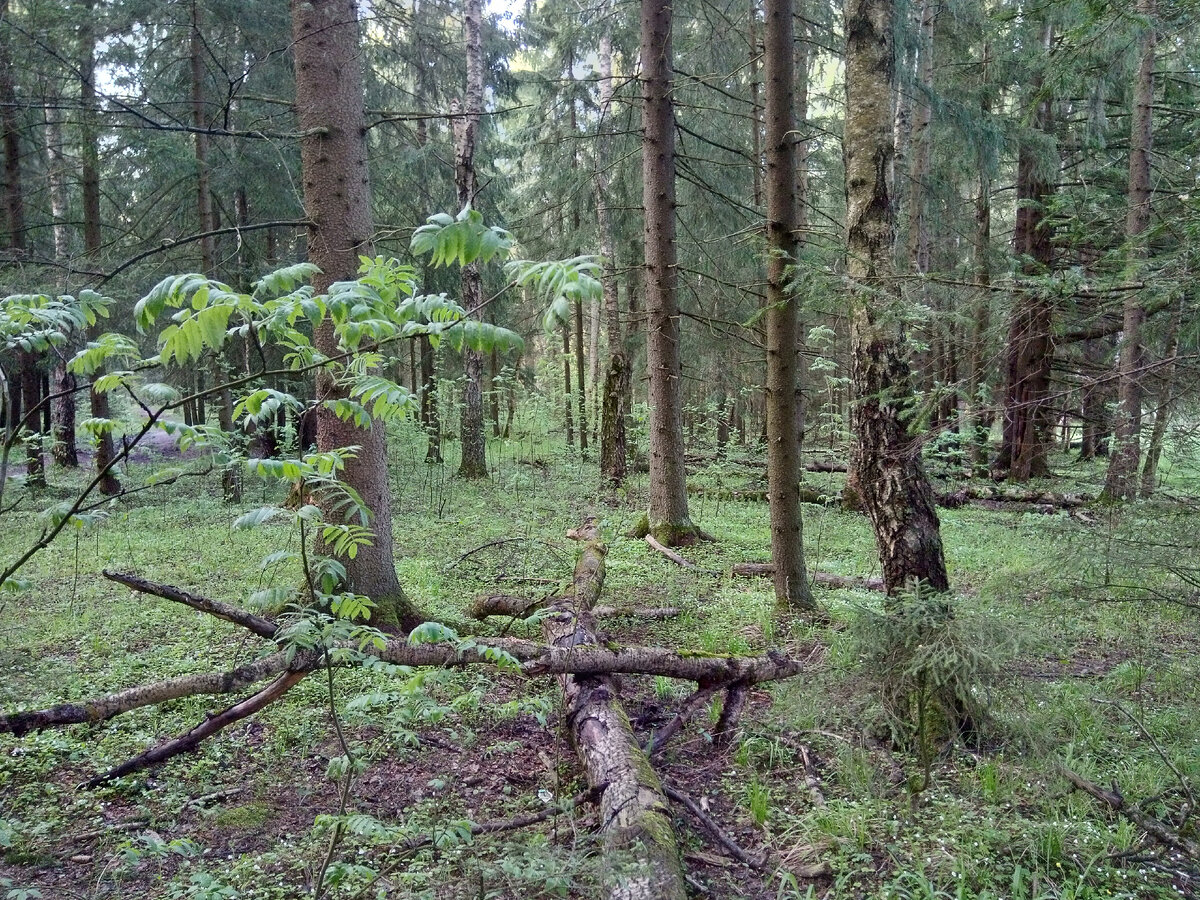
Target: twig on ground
[
  {"x": 715, "y": 831},
  {"x": 687, "y": 709}
]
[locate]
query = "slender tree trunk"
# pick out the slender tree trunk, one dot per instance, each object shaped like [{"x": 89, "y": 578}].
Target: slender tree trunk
[
  {"x": 980, "y": 420},
  {"x": 1121, "y": 482},
  {"x": 580, "y": 378},
  {"x": 430, "y": 418},
  {"x": 756, "y": 111},
  {"x": 466, "y": 129},
  {"x": 783, "y": 446},
  {"x": 613, "y": 449},
  {"x": 337, "y": 199},
  {"x": 894, "y": 489},
  {"x": 668, "y": 518},
  {"x": 1166, "y": 401},
  {"x": 63, "y": 406},
  {"x": 92, "y": 236},
  {"x": 569, "y": 420}
]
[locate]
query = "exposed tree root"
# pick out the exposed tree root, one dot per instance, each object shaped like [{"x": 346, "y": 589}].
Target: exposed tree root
[{"x": 687, "y": 709}]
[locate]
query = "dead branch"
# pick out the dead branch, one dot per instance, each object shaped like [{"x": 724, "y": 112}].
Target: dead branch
[
  {"x": 633, "y": 810},
  {"x": 524, "y": 607},
  {"x": 1154, "y": 827},
  {"x": 731, "y": 713},
  {"x": 210, "y": 726},
  {"x": 729, "y": 844},
  {"x": 811, "y": 781},
  {"x": 257, "y": 624},
  {"x": 687, "y": 709},
  {"x": 851, "y": 582},
  {"x": 499, "y": 826}
]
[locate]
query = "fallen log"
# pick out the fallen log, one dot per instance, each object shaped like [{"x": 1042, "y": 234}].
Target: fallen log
[
  {"x": 850, "y": 582},
  {"x": 633, "y": 811},
  {"x": 257, "y": 624},
  {"x": 759, "y": 495},
  {"x": 986, "y": 494},
  {"x": 524, "y": 607}
]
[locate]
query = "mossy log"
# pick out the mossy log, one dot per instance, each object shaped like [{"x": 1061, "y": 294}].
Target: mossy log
[{"x": 633, "y": 810}]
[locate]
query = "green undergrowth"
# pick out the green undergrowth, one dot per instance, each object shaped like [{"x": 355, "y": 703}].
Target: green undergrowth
[{"x": 1092, "y": 670}]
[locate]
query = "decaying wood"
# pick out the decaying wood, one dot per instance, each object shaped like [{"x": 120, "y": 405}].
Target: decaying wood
[
  {"x": 729, "y": 844},
  {"x": 634, "y": 812},
  {"x": 210, "y": 726},
  {"x": 731, "y": 714},
  {"x": 851, "y": 582},
  {"x": 524, "y": 607},
  {"x": 1154, "y": 827},
  {"x": 257, "y": 624},
  {"x": 986, "y": 494},
  {"x": 811, "y": 781}
]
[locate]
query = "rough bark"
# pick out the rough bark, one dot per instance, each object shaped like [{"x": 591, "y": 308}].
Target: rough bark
[
  {"x": 783, "y": 446},
  {"x": 430, "y": 419},
  {"x": 633, "y": 810},
  {"x": 466, "y": 133},
  {"x": 613, "y": 449},
  {"x": 1121, "y": 482},
  {"x": 894, "y": 489},
  {"x": 1030, "y": 340},
  {"x": 668, "y": 518},
  {"x": 337, "y": 198}
]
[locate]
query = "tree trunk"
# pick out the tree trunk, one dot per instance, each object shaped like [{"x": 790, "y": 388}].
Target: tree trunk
[
  {"x": 895, "y": 491},
  {"x": 783, "y": 447},
  {"x": 1030, "y": 339},
  {"x": 756, "y": 111},
  {"x": 633, "y": 811},
  {"x": 466, "y": 132},
  {"x": 668, "y": 518},
  {"x": 1166, "y": 400},
  {"x": 337, "y": 199},
  {"x": 613, "y": 449},
  {"x": 979, "y": 418},
  {"x": 568, "y": 417},
  {"x": 90, "y": 182},
  {"x": 581, "y": 400},
  {"x": 62, "y": 430},
  {"x": 1121, "y": 482}
]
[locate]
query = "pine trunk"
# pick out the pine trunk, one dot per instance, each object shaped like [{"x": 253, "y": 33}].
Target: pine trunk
[
  {"x": 668, "y": 518},
  {"x": 1122, "y": 481},
  {"x": 783, "y": 446},
  {"x": 329, "y": 100},
  {"x": 1166, "y": 400}
]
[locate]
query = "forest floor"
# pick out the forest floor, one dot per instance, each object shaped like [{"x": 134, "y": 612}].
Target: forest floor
[{"x": 1080, "y": 624}]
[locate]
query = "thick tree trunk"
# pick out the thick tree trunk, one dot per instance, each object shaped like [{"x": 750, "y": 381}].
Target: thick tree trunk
[
  {"x": 90, "y": 183},
  {"x": 1030, "y": 339},
  {"x": 1122, "y": 481},
  {"x": 895, "y": 491},
  {"x": 783, "y": 446},
  {"x": 634, "y": 813},
  {"x": 466, "y": 134},
  {"x": 337, "y": 198},
  {"x": 668, "y": 518}
]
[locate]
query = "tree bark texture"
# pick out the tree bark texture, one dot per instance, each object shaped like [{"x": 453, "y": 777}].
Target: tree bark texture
[
  {"x": 668, "y": 517},
  {"x": 613, "y": 449},
  {"x": 1030, "y": 338},
  {"x": 337, "y": 198},
  {"x": 466, "y": 135},
  {"x": 1166, "y": 401},
  {"x": 783, "y": 445},
  {"x": 1121, "y": 482},
  {"x": 633, "y": 810},
  {"x": 891, "y": 479}
]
